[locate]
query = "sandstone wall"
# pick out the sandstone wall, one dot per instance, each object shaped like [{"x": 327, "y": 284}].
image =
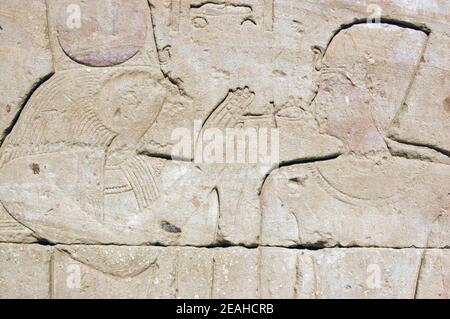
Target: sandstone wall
[{"x": 224, "y": 149}]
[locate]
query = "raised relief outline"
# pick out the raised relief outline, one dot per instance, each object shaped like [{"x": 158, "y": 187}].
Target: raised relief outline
[{"x": 180, "y": 11}]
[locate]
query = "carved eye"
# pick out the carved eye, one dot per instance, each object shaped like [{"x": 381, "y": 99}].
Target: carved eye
[{"x": 199, "y": 22}]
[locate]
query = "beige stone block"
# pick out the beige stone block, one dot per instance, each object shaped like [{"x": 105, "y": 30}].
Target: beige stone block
[
  {"x": 358, "y": 202},
  {"x": 224, "y": 149},
  {"x": 362, "y": 273},
  {"x": 378, "y": 199},
  {"x": 339, "y": 273},
  {"x": 434, "y": 275},
  {"x": 12, "y": 231},
  {"x": 25, "y": 56},
  {"x": 425, "y": 117},
  {"x": 154, "y": 272},
  {"x": 25, "y": 271},
  {"x": 235, "y": 273},
  {"x": 113, "y": 272}
]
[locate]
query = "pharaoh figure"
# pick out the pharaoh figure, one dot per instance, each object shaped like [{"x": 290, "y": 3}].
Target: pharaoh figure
[
  {"x": 366, "y": 196},
  {"x": 70, "y": 170}
]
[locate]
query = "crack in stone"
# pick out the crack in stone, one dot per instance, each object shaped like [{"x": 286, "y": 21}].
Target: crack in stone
[
  {"x": 297, "y": 162},
  {"x": 213, "y": 274},
  {"x": 229, "y": 246},
  {"x": 419, "y": 272},
  {"x": 439, "y": 150},
  {"x": 25, "y": 101},
  {"x": 177, "y": 82}
]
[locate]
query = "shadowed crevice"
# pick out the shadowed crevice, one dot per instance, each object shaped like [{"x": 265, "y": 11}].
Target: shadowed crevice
[
  {"x": 424, "y": 145},
  {"x": 227, "y": 244}
]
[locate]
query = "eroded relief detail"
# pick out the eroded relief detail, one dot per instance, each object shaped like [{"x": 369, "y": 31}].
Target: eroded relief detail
[
  {"x": 225, "y": 149},
  {"x": 108, "y": 183},
  {"x": 25, "y": 62},
  {"x": 240, "y": 15},
  {"x": 25, "y": 56},
  {"x": 119, "y": 26},
  {"x": 89, "y": 122},
  {"x": 365, "y": 194}
]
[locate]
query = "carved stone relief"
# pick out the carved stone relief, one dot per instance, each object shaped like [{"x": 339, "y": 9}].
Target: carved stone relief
[{"x": 224, "y": 149}]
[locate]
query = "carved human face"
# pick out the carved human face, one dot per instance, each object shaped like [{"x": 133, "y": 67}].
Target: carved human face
[
  {"x": 343, "y": 111},
  {"x": 130, "y": 102}
]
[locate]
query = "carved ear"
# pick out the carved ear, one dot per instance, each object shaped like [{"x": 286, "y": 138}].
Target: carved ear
[{"x": 165, "y": 55}]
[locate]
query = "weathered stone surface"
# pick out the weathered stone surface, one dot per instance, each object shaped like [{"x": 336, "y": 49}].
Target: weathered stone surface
[
  {"x": 425, "y": 116},
  {"x": 25, "y": 61},
  {"x": 224, "y": 149},
  {"x": 83, "y": 182},
  {"x": 113, "y": 272},
  {"x": 433, "y": 278},
  {"x": 25, "y": 56},
  {"x": 25, "y": 271},
  {"x": 101, "y": 33},
  {"x": 235, "y": 46},
  {"x": 154, "y": 272},
  {"x": 322, "y": 203},
  {"x": 184, "y": 272},
  {"x": 12, "y": 231},
  {"x": 364, "y": 202},
  {"x": 340, "y": 273}
]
